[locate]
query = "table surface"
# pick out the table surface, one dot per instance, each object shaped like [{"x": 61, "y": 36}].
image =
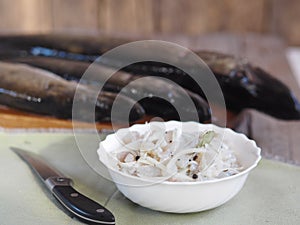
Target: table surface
[
  {"x": 270, "y": 195},
  {"x": 268, "y": 52}
]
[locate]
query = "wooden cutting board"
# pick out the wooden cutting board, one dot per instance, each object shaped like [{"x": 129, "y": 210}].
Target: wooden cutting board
[{"x": 11, "y": 118}]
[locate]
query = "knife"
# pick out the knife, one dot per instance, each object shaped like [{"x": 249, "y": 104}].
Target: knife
[{"x": 60, "y": 186}]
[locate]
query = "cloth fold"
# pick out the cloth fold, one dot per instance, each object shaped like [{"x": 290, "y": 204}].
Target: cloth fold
[{"x": 278, "y": 139}]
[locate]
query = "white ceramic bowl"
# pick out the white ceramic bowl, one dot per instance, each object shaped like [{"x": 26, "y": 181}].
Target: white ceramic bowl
[{"x": 183, "y": 197}]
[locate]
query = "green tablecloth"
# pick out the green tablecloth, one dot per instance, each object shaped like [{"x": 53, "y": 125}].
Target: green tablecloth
[{"x": 271, "y": 194}]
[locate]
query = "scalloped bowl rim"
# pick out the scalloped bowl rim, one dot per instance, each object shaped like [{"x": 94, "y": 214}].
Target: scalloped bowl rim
[{"x": 179, "y": 183}]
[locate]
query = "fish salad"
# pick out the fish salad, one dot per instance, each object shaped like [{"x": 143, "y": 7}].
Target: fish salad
[{"x": 176, "y": 155}]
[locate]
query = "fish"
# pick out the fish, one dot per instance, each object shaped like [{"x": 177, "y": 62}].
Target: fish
[
  {"x": 38, "y": 91},
  {"x": 243, "y": 85},
  {"x": 153, "y": 98},
  {"x": 258, "y": 89},
  {"x": 79, "y": 47}
]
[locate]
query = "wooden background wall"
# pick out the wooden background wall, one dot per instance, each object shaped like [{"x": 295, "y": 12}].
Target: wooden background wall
[{"x": 188, "y": 17}]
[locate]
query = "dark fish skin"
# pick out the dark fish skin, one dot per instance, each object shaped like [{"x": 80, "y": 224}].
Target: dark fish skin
[
  {"x": 84, "y": 48},
  {"x": 71, "y": 43},
  {"x": 257, "y": 87},
  {"x": 73, "y": 70},
  {"x": 243, "y": 85},
  {"x": 38, "y": 91}
]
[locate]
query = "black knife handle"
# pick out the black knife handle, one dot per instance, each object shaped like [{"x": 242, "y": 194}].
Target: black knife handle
[{"x": 81, "y": 206}]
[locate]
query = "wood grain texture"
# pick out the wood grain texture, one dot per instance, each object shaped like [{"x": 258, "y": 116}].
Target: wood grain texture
[
  {"x": 145, "y": 16},
  {"x": 198, "y": 17},
  {"x": 148, "y": 17},
  {"x": 75, "y": 15},
  {"x": 171, "y": 16},
  {"x": 121, "y": 16},
  {"x": 244, "y": 16},
  {"x": 28, "y": 16},
  {"x": 130, "y": 16},
  {"x": 287, "y": 20},
  {"x": 204, "y": 16},
  {"x": 11, "y": 118},
  {"x": 103, "y": 15}
]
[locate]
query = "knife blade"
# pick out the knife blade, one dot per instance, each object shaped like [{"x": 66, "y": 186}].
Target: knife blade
[{"x": 60, "y": 186}]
